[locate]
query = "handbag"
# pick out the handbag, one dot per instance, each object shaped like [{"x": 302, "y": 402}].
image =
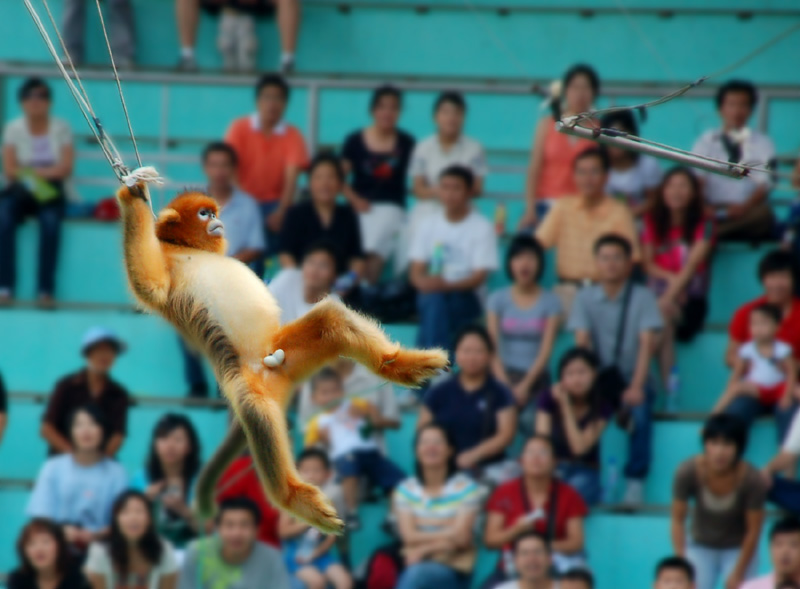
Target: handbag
[{"x": 610, "y": 383}]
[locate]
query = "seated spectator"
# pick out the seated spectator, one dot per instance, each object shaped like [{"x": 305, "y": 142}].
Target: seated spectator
[
  {"x": 550, "y": 171},
  {"x": 764, "y": 369},
  {"x": 574, "y": 415},
  {"x": 728, "y": 513},
  {"x": 476, "y": 411},
  {"x": 299, "y": 289},
  {"x": 523, "y": 321},
  {"x": 533, "y": 563},
  {"x": 322, "y": 218},
  {"x": 778, "y": 275},
  {"x": 633, "y": 177},
  {"x": 436, "y": 511},
  {"x": 574, "y": 224},
  {"x": 77, "y": 490},
  {"x": 576, "y": 579},
  {"x": 134, "y": 555},
  {"x": 45, "y": 559},
  {"x": 784, "y": 551},
  {"x": 92, "y": 385},
  {"x": 540, "y": 502},
  {"x": 234, "y": 558},
  {"x": 344, "y": 427},
  {"x": 674, "y": 572},
  {"x": 38, "y": 155},
  {"x": 121, "y": 33},
  {"x": 310, "y": 556},
  {"x": 740, "y": 205},
  {"x": 451, "y": 257},
  {"x": 620, "y": 320},
  {"x": 271, "y": 153},
  {"x": 378, "y": 157},
  {"x": 676, "y": 243},
  {"x": 3, "y": 408},
  {"x": 168, "y": 477}
]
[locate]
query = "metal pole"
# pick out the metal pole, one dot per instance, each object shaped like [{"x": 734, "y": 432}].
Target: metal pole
[{"x": 631, "y": 145}]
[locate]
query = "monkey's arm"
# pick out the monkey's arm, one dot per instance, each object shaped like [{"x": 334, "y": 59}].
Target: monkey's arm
[{"x": 144, "y": 258}]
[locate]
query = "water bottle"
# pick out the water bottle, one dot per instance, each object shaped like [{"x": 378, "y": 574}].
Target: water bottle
[
  {"x": 308, "y": 543},
  {"x": 673, "y": 385},
  {"x": 612, "y": 481},
  {"x": 437, "y": 260}
]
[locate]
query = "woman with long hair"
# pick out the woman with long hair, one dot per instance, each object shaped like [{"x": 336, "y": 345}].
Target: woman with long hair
[
  {"x": 45, "y": 559},
  {"x": 435, "y": 512},
  {"x": 676, "y": 242},
  {"x": 168, "y": 476},
  {"x": 134, "y": 556}
]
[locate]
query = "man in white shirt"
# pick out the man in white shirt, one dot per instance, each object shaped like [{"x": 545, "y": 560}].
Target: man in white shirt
[
  {"x": 741, "y": 206},
  {"x": 451, "y": 257},
  {"x": 532, "y": 561},
  {"x": 784, "y": 551}
]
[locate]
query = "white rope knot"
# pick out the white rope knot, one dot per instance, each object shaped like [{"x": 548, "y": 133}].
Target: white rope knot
[{"x": 146, "y": 174}]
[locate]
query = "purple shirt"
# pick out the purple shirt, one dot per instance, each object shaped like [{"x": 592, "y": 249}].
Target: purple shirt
[{"x": 765, "y": 582}]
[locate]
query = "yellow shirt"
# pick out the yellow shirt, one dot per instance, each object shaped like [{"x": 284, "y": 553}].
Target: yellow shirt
[{"x": 572, "y": 228}]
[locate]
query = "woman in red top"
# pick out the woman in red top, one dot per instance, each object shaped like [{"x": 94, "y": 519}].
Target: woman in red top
[
  {"x": 536, "y": 501},
  {"x": 676, "y": 243}
]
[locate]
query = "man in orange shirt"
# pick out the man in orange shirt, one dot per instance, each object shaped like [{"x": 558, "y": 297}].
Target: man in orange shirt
[{"x": 271, "y": 153}]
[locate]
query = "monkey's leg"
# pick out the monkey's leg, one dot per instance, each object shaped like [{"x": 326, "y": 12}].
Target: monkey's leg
[
  {"x": 206, "y": 486},
  {"x": 331, "y": 330}
]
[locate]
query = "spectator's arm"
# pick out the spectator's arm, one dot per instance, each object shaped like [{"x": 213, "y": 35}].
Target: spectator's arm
[
  {"x": 424, "y": 282},
  {"x": 647, "y": 202},
  {"x": 574, "y": 540},
  {"x": 378, "y": 421},
  {"x": 544, "y": 423},
  {"x": 169, "y": 581},
  {"x": 10, "y": 163},
  {"x": 471, "y": 282},
  {"x": 534, "y": 169},
  {"x": 496, "y": 535},
  {"x": 758, "y": 196},
  {"x": 731, "y": 352},
  {"x": 97, "y": 580},
  {"x": 422, "y": 189},
  {"x": 580, "y": 440},
  {"x": 114, "y": 444},
  {"x": 323, "y": 547},
  {"x": 290, "y": 175},
  {"x": 358, "y": 202},
  {"x": 3, "y": 424},
  {"x": 289, "y": 527},
  {"x": 698, "y": 254},
  {"x": 51, "y": 435},
  {"x": 680, "y": 510},
  {"x": 477, "y": 186},
  {"x": 643, "y": 358},
  {"x": 545, "y": 351},
  {"x": 506, "y": 429},
  {"x": 582, "y": 339},
  {"x": 286, "y": 260},
  {"x": 790, "y": 370},
  {"x": 61, "y": 170},
  {"x": 425, "y": 417},
  {"x": 412, "y": 536},
  {"x": 654, "y": 270},
  {"x": 247, "y": 255},
  {"x": 753, "y": 523},
  {"x": 493, "y": 327}
]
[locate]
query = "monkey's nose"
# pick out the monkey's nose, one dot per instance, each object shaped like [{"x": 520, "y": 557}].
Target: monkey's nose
[{"x": 215, "y": 227}]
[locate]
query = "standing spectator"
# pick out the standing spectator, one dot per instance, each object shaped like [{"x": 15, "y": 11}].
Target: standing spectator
[
  {"x": 728, "y": 496},
  {"x": 45, "y": 559},
  {"x": 619, "y": 321},
  {"x": 741, "y": 205},
  {"x": 271, "y": 154},
  {"x": 77, "y": 490},
  {"x": 784, "y": 550},
  {"x": 168, "y": 477},
  {"x": 674, "y": 572},
  {"x": 134, "y": 556},
  {"x": 550, "y": 171},
  {"x": 234, "y": 558},
  {"x": 574, "y": 225},
  {"x": 121, "y": 31},
  {"x": 436, "y": 511},
  {"x": 523, "y": 321},
  {"x": 536, "y": 501},
  {"x": 477, "y": 411},
  {"x": 451, "y": 256},
  {"x": 777, "y": 272},
  {"x": 378, "y": 157},
  {"x": 322, "y": 218},
  {"x": 574, "y": 416},
  {"x": 92, "y": 385},
  {"x": 576, "y": 579},
  {"x": 3, "y": 408},
  {"x": 676, "y": 244},
  {"x": 37, "y": 163},
  {"x": 297, "y": 290},
  {"x": 633, "y": 177}
]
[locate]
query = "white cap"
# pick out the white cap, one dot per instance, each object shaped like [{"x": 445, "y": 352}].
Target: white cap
[{"x": 96, "y": 335}]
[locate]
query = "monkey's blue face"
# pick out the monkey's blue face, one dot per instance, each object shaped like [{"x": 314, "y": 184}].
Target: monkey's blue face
[{"x": 214, "y": 226}]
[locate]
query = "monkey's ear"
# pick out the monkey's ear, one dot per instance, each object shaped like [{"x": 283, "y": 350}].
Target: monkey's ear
[{"x": 169, "y": 215}]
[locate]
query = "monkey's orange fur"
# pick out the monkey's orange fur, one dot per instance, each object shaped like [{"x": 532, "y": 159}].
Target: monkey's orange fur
[{"x": 177, "y": 269}]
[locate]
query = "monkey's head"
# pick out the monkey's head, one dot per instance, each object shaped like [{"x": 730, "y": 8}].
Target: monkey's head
[{"x": 191, "y": 220}]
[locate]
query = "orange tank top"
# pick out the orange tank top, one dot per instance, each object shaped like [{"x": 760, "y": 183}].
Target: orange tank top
[{"x": 555, "y": 176}]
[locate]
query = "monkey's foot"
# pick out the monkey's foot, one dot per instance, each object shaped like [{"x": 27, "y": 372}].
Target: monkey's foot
[
  {"x": 309, "y": 504},
  {"x": 275, "y": 359},
  {"x": 413, "y": 367}
]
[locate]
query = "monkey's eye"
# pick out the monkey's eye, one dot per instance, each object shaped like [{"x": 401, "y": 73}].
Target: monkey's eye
[{"x": 205, "y": 214}]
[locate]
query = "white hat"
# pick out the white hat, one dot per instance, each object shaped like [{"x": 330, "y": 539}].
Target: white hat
[{"x": 96, "y": 335}]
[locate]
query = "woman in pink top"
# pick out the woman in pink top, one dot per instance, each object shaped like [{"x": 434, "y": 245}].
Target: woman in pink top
[
  {"x": 553, "y": 153},
  {"x": 676, "y": 243}
]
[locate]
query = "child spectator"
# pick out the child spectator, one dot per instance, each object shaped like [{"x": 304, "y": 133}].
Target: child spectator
[
  {"x": 676, "y": 244},
  {"x": 299, "y": 289},
  {"x": 436, "y": 511},
  {"x": 378, "y": 157},
  {"x": 38, "y": 155},
  {"x": 674, "y": 572},
  {"x": 576, "y": 579},
  {"x": 633, "y": 177},
  {"x": 233, "y": 558},
  {"x": 309, "y": 555},
  {"x": 728, "y": 496},
  {"x": 451, "y": 257},
  {"x": 523, "y": 321},
  {"x": 533, "y": 563},
  {"x": 134, "y": 556},
  {"x": 77, "y": 490},
  {"x": 121, "y": 31},
  {"x": 476, "y": 410},
  {"x": 345, "y": 427},
  {"x": 92, "y": 385},
  {"x": 45, "y": 559},
  {"x": 764, "y": 369},
  {"x": 536, "y": 501},
  {"x": 550, "y": 171},
  {"x": 168, "y": 477},
  {"x": 784, "y": 551},
  {"x": 574, "y": 416}
]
